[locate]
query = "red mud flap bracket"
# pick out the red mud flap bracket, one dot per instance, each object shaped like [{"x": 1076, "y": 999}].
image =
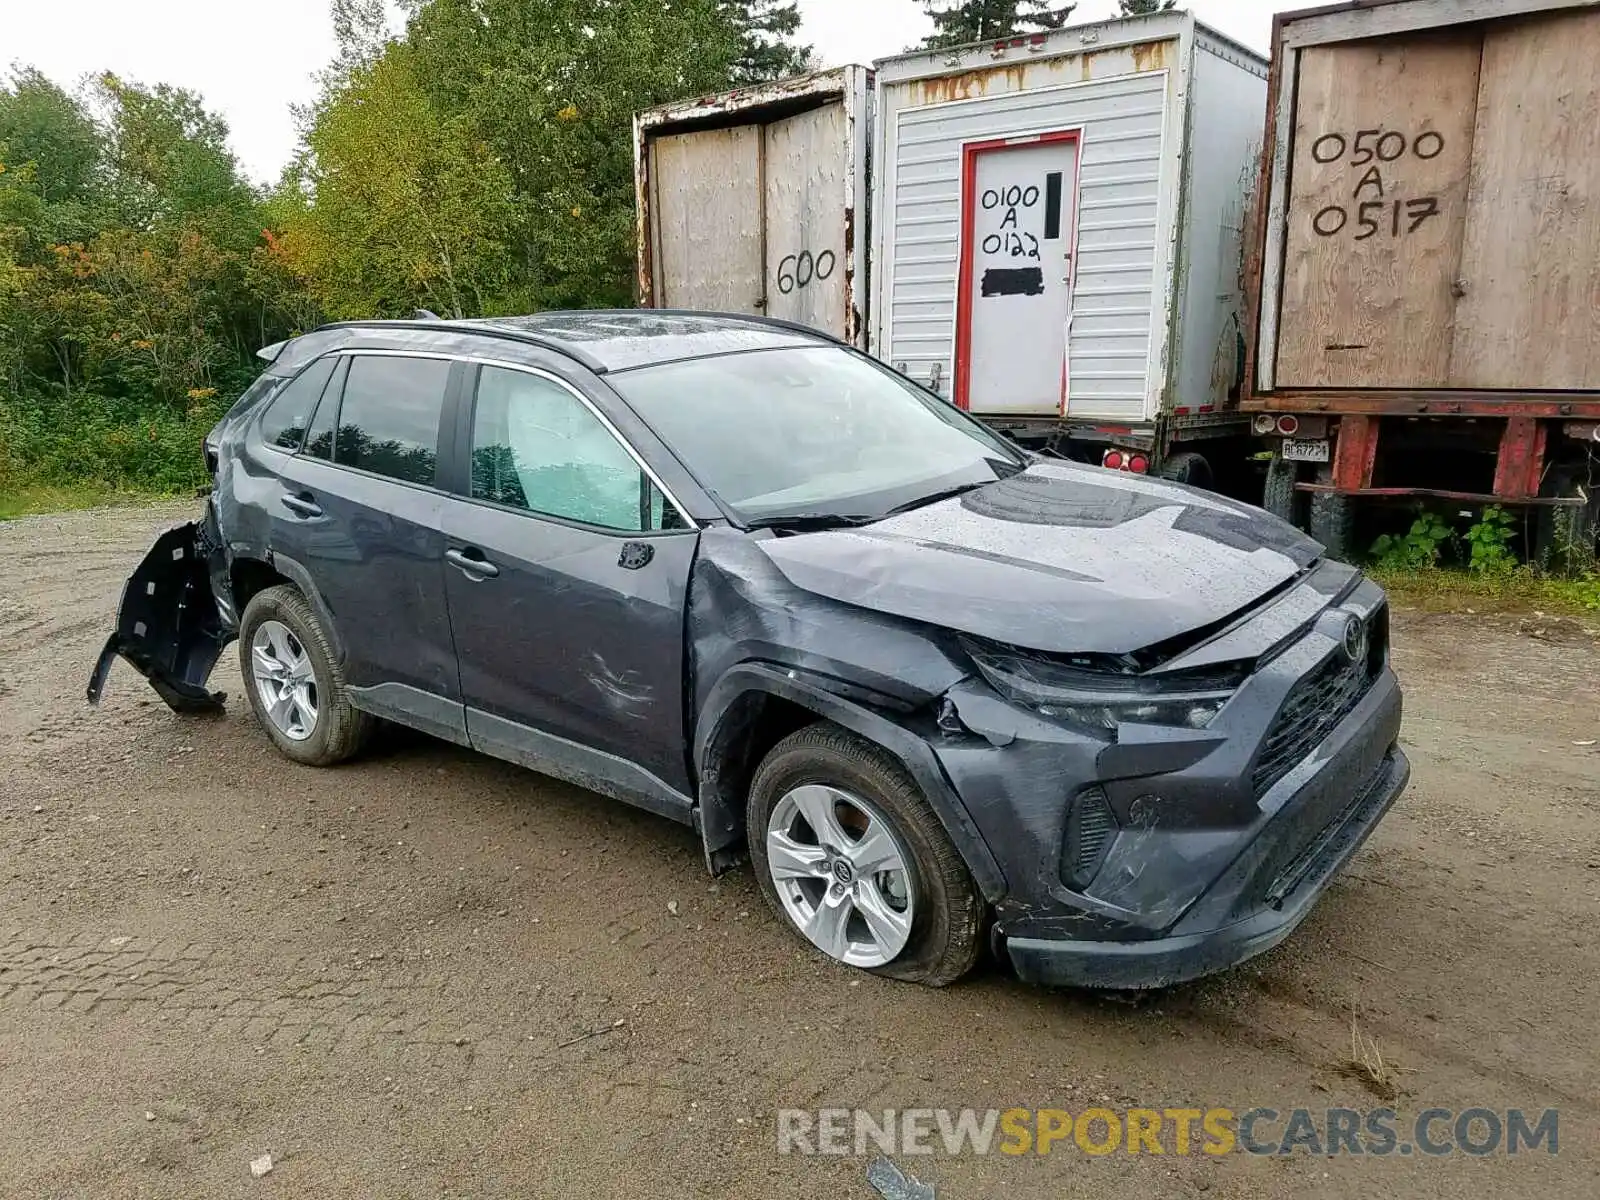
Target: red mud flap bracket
[{"x": 168, "y": 626}]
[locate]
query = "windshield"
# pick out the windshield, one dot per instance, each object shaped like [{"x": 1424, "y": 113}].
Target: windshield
[{"x": 812, "y": 431}]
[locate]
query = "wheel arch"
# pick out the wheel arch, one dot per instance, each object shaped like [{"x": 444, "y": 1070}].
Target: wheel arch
[
  {"x": 250, "y": 573},
  {"x": 754, "y": 705}
]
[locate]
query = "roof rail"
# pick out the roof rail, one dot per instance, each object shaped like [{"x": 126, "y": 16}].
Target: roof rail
[
  {"x": 752, "y": 318},
  {"x": 504, "y": 332}
]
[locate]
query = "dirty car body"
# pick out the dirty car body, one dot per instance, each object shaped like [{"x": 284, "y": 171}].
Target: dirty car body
[{"x": 1152, "y": 722}]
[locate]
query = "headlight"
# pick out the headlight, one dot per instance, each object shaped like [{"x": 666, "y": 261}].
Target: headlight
[{"x": 1101, "y": 700}]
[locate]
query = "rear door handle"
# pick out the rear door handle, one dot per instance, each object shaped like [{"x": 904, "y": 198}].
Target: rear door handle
[
  {"x": 301, "y": 503},
  {"x": 472, "y": 563}
]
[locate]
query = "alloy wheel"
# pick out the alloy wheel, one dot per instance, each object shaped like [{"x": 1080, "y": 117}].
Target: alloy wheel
[
  {"x": 285, "y": 683},
  {"x": 841, "y": 874}
]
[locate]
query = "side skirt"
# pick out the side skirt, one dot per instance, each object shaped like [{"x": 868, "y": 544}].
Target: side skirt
[{"x": 593, "y": 769}]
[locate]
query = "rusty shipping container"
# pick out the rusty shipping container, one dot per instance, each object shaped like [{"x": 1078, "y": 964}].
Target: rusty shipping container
[
  {"x": 1058, "y": 232},
  {"x": 1427, "y": 250},
  {"x": 755, "y": 201}
]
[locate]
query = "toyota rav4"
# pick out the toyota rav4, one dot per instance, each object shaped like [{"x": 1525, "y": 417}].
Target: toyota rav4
[{"x": 943, "y": 693}]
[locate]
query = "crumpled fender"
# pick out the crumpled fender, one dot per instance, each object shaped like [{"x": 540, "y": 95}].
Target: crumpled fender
[
  {"x": 721, "y": 829},
  {"x": 168, "y": 625}
]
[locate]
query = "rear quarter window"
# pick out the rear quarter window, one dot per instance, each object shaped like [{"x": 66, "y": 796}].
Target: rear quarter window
[{"x": 284, "y": 423}]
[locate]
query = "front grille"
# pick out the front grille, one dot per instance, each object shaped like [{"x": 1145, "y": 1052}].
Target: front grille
[{"x": 1315, "y": 705}]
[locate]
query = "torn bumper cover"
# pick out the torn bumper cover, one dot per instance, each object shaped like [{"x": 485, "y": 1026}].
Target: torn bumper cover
[
  {"x": 1169, "y": 854},
  {"x": 168, "y": 624},
  {"x": 1194, "y": 947}
]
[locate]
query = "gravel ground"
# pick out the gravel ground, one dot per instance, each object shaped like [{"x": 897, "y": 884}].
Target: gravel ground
[{"x": 378, "y": 974}]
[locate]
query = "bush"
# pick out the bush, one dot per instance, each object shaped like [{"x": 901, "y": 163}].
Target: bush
[{"x": 67, "y": 441}]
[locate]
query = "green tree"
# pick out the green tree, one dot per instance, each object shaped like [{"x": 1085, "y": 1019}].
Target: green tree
[
  {"x": 1142, "y": 8},
  {"x": 958, "y": 22},
  {"x": 169, "y": 161},
  {"x": 552, "y": 87},
  {"x": 766, "y": 31},
  {"x": 54, "y": 152},
  {"x": 393, "y": 206},
  {"x": 134, "y": 281}
]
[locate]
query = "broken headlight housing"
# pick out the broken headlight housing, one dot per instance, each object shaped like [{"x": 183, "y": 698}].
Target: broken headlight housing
[{"x": 1099, "y": 695}]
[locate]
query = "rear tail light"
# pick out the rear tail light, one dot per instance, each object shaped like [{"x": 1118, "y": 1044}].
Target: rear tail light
[
  {"x": 1138, "y": 464},
  {"x": 1288, "y": 425},
  {"x": 1112, "y": 459},
  {"x": 1263, "y": 423}
]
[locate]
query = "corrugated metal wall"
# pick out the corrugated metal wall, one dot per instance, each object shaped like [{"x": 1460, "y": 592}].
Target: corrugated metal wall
[
  {"x": 1229, "y": 97},
  {"x": 1116, "y": 302}
]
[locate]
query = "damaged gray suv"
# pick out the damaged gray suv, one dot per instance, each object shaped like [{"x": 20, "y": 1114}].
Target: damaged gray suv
[{"x": 942, "y": 693}]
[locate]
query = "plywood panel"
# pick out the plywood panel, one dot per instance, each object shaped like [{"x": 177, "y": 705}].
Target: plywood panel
[
  {"x": 1377, "y": 199},
  {"x": 707, "y": 189},
  {"x": 806, "y": 179},
  {"x": 1530, "y": 315}
]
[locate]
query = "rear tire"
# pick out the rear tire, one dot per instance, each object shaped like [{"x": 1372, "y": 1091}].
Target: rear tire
[
  {"x": 1279, "y": 496},
  {"x": 1187, "y": 467},
  {"x": 946, "y": 911},
  {"x": 1333, "y": 517},
  {"x": 339, "y": 729}
]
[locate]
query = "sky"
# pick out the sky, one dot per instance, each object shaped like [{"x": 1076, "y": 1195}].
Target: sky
[{"x": 252, "y": 59}]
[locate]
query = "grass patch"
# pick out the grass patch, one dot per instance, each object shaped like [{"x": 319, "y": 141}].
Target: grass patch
[
  {"x": 1441, "y": 589},
  {"x": 28, "y": 500}
]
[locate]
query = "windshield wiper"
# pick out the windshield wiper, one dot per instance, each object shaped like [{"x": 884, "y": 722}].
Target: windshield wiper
[
  {"x": 809, "y": 521},
  {"x": 935, "y": 497}
]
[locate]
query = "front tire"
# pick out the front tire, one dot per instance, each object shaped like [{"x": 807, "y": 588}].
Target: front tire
[
  {"x": 851, "y": 858},
  {"x": 295, "y": 683}
]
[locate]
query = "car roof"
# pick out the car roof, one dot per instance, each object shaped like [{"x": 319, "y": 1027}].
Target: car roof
[{"x": 607, "y": 340}]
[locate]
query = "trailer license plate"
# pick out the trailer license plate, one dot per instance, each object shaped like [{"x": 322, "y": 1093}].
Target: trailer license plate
[{"x": 1305, "y": 449}]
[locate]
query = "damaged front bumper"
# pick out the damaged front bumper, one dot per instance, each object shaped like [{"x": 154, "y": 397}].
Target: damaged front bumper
[
  {"x": 1194, "y": 948},
  {"x": 168, "y": 623},
  {"x": 1168, "y": 854}
]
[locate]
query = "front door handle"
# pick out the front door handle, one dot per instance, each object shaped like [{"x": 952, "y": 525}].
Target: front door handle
[
  {"x": 301, "y": 503},
  {"x": 472, "y": 563}
]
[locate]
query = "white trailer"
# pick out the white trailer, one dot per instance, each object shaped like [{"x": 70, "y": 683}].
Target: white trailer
[
  {"x": 755, "y": 201},
  {"x": 1057, "y": 231}
]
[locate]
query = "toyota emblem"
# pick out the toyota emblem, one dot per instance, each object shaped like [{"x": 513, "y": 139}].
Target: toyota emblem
[{"x": 1355, "y": 639}]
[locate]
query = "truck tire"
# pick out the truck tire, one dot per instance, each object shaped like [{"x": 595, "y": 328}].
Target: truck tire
[
  {"x": 282, "y": 650},
  {"x": 1187, "y": 467},
  {"x": 1333, "y": 523},
  {"x": 1280, "y": 498},
  {"x": 826, "y": 776}
]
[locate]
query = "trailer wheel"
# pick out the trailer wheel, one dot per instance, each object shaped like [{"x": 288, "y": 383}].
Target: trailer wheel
[
  {"x": 1333, "y": 523},
  {"x": 1565, "y": 536},
  {"x": 1187, "y": 467},
  {"x": 1280, "y": 498}
]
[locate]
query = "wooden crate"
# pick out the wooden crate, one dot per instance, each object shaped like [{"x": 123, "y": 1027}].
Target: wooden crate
[{"x": 1431, "y": 214}]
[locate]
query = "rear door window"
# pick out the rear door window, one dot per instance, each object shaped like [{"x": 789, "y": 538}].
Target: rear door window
[
  {"x": 284, "y": 423},
  {"x": 389, "y": 417}
]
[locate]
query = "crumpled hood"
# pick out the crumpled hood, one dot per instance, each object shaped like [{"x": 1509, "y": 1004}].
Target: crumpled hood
[{"x": 1061, "y": 558}]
